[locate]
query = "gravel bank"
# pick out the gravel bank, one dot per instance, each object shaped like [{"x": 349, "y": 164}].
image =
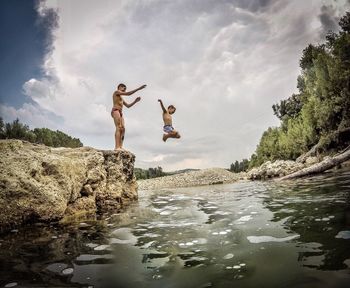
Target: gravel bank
[{"x": 195, "y": 178}]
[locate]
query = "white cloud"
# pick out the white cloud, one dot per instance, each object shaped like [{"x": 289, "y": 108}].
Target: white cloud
[
  {"x": 221, "y": 63},
  {"x": 32, "y": 115}
]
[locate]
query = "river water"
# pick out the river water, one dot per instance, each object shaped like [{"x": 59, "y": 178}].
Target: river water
[{"x": 246, "y": 234}]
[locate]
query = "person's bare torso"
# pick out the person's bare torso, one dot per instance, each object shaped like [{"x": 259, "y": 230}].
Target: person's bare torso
[
  {"x": 117, "y": 101},
  {"x": 168, "y": 120}
]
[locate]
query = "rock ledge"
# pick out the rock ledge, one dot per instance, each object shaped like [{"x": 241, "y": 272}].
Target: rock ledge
[{"x": 40, "y": 183}]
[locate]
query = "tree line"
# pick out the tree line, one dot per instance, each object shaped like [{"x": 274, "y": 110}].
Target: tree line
[
  {"x": 319, "y": 114},
  {"x": 18, "y": 130},
  {"x": 240, "y": 166},
  {"x": 149, "y": 173}
]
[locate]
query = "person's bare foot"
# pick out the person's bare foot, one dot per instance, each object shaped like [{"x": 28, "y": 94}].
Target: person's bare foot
[
  {"x": 165, "y": 137},
  {"x": 119, "y": 149}
]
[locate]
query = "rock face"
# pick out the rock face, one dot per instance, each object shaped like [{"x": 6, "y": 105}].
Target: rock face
[
  {"x": 195, "y": 178},
  {"x": 46, "y": 184}
]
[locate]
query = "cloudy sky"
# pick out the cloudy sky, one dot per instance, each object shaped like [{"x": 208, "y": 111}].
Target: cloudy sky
[{"x": 222, "y": 63}]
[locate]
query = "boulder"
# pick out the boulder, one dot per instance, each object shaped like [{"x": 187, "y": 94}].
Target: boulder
[
  {"x": 277, "y": 168},
  {"x": 40, "y": 183}
]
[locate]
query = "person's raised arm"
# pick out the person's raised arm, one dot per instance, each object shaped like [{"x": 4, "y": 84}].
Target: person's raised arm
[
  {"x": 161, "y": 105},
  {"x": 128, "y": 93},
  {"x": 127, "y": 105}
]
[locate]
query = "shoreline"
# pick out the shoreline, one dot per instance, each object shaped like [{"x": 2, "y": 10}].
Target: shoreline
[
  {"x": 214, "y": 176},
  {"x": 210, "y": 176}
]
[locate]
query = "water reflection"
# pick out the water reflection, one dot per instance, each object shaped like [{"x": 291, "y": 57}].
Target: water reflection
[
  {"x": 317, "y": 209},
  {"x": 264, "y": 234}
]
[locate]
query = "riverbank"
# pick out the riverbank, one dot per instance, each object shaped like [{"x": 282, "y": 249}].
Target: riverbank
[
  {"x": 212, "y": 176},
  {"x": 268, "y": 170},
  {"x": 190, "y": 179}
]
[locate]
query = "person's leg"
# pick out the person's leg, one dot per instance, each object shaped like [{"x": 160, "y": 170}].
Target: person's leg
[
  {"x": 165, "y": 136},
  {"x": 118, "y": 125},
  {"x": 166, "y": 133},
  {"x": 122, "y": 131},
  {"x": 172, "y": 134}
]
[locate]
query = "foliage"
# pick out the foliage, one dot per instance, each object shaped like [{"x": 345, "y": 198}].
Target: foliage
[
  {"x": 140, "y": 173},
  {"x": 239, "y": 166},
  {"x": 149, "y": 173},
  {"x": 289, "y": 108},
  {"x": 17, "y": 130},
  {"x": 322, "y": 106}
]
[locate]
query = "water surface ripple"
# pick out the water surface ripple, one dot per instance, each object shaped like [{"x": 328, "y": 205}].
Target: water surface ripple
[{"x": 246, "y": 234}]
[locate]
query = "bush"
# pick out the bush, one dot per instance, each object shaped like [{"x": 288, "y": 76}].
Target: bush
[{"x": 17, "y": 130}]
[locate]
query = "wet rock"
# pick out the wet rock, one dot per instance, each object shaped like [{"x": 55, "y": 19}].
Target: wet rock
[{"x": 46, "y": 184}]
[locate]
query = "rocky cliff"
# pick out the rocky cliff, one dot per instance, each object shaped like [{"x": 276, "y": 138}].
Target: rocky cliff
[{"x": 39, "y": 183}]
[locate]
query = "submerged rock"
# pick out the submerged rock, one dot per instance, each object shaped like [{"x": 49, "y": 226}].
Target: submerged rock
[{"x": 46, "y": 184}]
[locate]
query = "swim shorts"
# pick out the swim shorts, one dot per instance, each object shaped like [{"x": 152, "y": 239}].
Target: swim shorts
[
  {"x": 117, "y": 109},
  {"x": 168, "y": 129}
]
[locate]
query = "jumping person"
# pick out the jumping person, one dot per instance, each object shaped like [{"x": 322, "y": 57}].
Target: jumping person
[
  {"x": 168, "y": 128},
  {"x": 117, "y": 112}
]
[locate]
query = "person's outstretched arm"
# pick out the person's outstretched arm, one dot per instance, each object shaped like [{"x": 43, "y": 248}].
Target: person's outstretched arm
[
  {"x": 127, "y": 105},
  {"x": 161, "y": 105},
  {"x": 128, "y": 93}
]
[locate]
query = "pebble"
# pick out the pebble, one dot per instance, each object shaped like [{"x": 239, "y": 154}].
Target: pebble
[
  {"x": 157, "y": 277},
  {"x": 343, "y": 235},
  {"x": 228, "y": 256},
  {"x": 67, "y": 271},
  {"x": 102, "y": 247},
  {"x": 12, "y": 284}
]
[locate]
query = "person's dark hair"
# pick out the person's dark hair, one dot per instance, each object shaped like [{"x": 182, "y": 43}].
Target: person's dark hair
[
  {"x": 171, "y": 106},
  {"x": 121, "y": 85}
]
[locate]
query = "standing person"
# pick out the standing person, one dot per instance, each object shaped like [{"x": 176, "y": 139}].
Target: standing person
[
  {"x": 117, "y": 112},
  {"x": 168, "y": 128}
]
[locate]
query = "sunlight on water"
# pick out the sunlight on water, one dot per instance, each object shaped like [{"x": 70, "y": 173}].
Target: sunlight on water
[{"x": 249, "y": 234}]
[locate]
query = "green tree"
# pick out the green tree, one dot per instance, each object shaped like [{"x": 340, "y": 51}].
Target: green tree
[
  {"x": 321, "y": 109},
  {"x": 141, "y": 173},
  {"x": 17, "y": 130},
  {"x": 2, "y": 128},
  {"x": 289, "y": 108},
  {"x": 239, "y": 166},
  {"x": 344, "y": 23},
  {"x": 56, "y": 138},
  {"x": 155, "y": 172}
]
